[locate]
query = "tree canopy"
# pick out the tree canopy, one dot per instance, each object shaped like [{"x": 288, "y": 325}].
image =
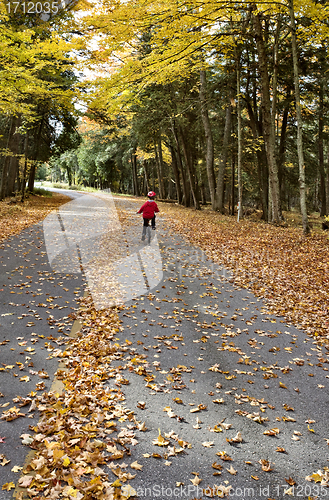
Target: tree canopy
[{"x": 206, "y": 101}]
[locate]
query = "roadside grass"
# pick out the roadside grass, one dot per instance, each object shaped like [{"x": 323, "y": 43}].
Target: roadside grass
[
  {"x": 73, "y": 187},
  {"x": 42, "y": 192}
]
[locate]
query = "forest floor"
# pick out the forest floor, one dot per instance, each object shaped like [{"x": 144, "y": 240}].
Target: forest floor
[
  {"x": 278, "y": 263},
  {"x": 16, "y": 216}
]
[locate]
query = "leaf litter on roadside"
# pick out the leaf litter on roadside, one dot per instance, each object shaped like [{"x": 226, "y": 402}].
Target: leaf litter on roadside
[{"x": 79, "y": 428}]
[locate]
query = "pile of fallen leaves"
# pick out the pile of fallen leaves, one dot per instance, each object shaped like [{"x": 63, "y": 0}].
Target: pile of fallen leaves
[
  {"x": 77, "y": 434},
  {"x": 279, "y": 264},
  {"x": 16, "y": 216}
]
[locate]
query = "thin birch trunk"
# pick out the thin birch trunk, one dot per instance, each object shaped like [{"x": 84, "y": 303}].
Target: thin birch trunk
[
  {"x": 233, "y": 184},
  {"x": 26, "y": 144},
  {"x": 238, "y": 110},
  {"x": 301, "y": 164},
  {"x": 322, "y": 191}
]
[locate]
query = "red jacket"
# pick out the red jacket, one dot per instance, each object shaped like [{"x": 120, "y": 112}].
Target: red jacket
[{"x": 148, "y": 209}]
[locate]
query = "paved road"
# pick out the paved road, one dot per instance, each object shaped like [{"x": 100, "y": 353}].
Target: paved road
[
  {"x": 233, "y": 350},
  {"x": 206, "y": 340}
]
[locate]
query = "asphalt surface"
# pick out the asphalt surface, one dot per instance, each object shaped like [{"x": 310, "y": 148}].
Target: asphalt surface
[{"x": 206, "y": 340}]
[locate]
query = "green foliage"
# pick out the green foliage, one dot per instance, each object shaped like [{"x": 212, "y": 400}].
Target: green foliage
[{"x": 42, "y": 192}]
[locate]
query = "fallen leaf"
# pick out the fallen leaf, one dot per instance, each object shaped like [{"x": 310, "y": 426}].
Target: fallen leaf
[
  {"x": 8, "y": 486},
  {"x": 266, "y": 465},
  {"x": 24, "y": 482},
  {"x": 235, "y": 439},
  {"x": 26, "y": 439},
  {"x": 224, "y": 456},
  {"x": 290, "y": 481},
  {"x": 196, "y": 480},
  {"x": 217, "y": 466},
  {"x": 208, "y": 444},
  {"x": 160, "y": 441},
  {"x": 16, "y": 468},
  {"x": 142, "y": 427},
  {"x": 231, "y": 470},
  {"x": 272, "y": 432}
]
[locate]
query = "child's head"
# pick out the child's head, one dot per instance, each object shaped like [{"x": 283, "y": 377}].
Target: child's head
[{"x": 151, "y": 195}]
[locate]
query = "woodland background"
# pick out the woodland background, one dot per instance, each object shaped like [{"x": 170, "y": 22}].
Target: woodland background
[{"x": 205, "y": 102}]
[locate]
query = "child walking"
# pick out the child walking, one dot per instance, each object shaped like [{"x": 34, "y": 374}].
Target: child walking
[{"x": 149, "y": 209}]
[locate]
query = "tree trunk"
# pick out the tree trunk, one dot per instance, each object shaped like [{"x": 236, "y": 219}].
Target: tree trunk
[
  {"x": 26, "y": 144},
  {"x": 147, "y": 182},
  {"x": 261, "y": 162},
  {"x": 161, "y": 169},
  {"x": 3, "y": 187},
  {"x": 135, "y": 177},
  {"x": 327, "y": 188},
  {"x": 301, "y": 164},
  {"x": 238, "y": 111},
  {"x": 159, "y": 172},
  {"x": 188, "y": 164},
  {"x": 233, "y": 184},
  {"x": 219, "y": 203},
  {"x": 209, "y": 138},
  {"x": 322, "y": 193},
  {"x": 14, "y": 160},
  {"x": 275, "y": 71},
  {"x": 282, "y": 148},
  {"x": 176, "y": 173},
  {"x": 268, "y": 129},
  {"x": 37, "y": 137},
  {"x": 186, "y": 191}
]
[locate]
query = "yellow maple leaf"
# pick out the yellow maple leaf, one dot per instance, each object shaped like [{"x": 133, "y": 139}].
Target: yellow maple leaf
[
  {"x": 196, "y": 480},
  {"x": 8, "y": 486},
  {"x": 316, "y": 478}
]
